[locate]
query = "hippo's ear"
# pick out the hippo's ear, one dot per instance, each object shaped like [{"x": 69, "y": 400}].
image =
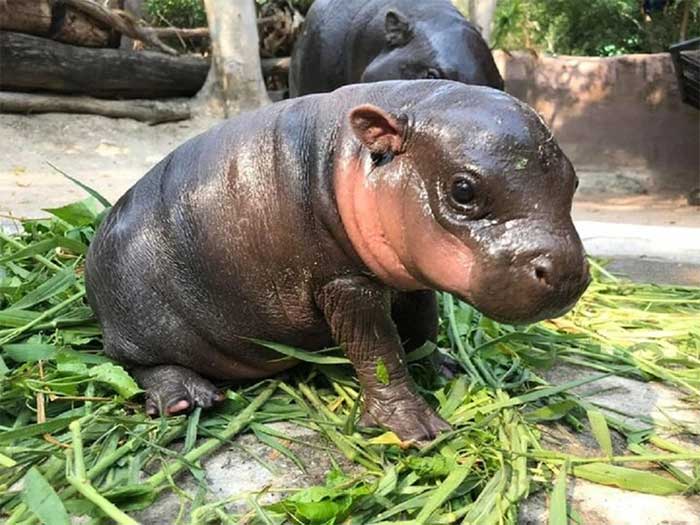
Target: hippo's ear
[
  {"x": 397, "y": 29},
  {"x": 376, "y": 129}
]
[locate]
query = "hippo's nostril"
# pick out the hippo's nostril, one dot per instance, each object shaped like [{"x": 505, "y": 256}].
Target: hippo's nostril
[
  {"x": 541, "y": 274},
  {"x": 542, "y": 267}
]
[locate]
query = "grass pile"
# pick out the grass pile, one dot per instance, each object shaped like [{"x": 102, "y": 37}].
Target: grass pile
[{"x": 74, "y": 439}]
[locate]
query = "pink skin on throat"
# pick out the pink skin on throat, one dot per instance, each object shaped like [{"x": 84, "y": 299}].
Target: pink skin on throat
[{"x": 396, "y": 237}]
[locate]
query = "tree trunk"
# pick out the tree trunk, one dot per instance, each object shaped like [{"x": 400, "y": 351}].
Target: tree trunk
[
  {"x": 26, "y": 16},
  {"x": 236, "y": 76},
  {"x": 31, "y": 63},
  {"x": 151, "y": 111},
  {"x": 482, "y": 13}
]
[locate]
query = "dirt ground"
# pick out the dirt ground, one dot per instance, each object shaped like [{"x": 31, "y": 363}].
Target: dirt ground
[{"x": 111, "y": 154}]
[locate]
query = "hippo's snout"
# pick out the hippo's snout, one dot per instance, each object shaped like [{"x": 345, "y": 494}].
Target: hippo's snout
[
  {"x": 560, "y": 283},
  {"x": 533, "y": 284}
]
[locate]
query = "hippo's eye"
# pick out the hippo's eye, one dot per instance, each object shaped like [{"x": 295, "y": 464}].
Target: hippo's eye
[{"x": 462, "y": 191}]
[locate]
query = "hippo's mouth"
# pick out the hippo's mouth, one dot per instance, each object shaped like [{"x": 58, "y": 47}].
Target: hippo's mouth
[{"x": 523, "y": 303}]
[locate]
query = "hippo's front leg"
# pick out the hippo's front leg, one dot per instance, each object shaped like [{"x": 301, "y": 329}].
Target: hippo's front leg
[{"x": 358, "y": 312}]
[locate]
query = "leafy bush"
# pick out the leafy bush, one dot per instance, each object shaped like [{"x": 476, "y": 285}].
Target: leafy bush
[
  {"x": 595, "y": 27},
  {"x": 177, "y": 13}
]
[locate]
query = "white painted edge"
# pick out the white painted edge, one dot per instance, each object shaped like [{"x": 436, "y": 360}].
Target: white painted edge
[{"x": 668, "y": 243}]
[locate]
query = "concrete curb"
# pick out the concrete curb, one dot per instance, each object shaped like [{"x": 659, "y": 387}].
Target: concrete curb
[{"x": 668, "y": 243}]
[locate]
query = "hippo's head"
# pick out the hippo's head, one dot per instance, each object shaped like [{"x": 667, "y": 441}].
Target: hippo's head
[
  {"x": 442, "y": 47},
  {"x": 465, "y": 191}
]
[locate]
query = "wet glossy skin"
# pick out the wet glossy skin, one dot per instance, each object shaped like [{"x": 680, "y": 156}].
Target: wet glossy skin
[
  {"x": 349, "y": 41},
  {"x": 328, "y": 220}
]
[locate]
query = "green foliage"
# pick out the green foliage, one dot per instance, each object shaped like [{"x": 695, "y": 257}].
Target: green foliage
[
  {"x": 593, "y": 28},
  {"x": 177, "y": 13}
]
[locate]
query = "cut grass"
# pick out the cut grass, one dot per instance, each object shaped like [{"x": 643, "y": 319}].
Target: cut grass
[{"x": 70, "y": 419}]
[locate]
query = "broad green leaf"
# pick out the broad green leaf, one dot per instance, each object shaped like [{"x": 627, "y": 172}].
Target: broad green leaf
[
  {"x": 444, "y": 491},
  {"x": 629, "y": 479},
  {"x": 116, "y": 377},
  {"x": 42, "y": 500},
  {"x": 600, "y": 430},
  {"x": 557, "y": 501},
  {"x": 29, "y": 352},
  {"x": 302, "y": 355},
  {"x": 77, "y": 214}
]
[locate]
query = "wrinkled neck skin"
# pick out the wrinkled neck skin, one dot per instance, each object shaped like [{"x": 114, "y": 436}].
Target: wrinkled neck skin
[{"x": 387, "y": 218}]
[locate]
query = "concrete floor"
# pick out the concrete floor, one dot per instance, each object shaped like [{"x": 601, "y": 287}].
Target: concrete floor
[{"x": 656, "y": 271}]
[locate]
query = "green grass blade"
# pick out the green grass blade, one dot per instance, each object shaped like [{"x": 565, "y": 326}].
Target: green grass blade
[
  {"x": 557, "y": 502},
  {"x": 444, "y": 491},
  {"x": 628, "y": 479},
  {"x": 600, "y": 430},
  {"x": 52, "y": 287},
  {"x": 35, "y": 429},
  {"x": 482, "y": 508},
  {"x": 7, "y": 462},
  {"x": 84, "y": 186},
  {"x": 301, "y": 355}
]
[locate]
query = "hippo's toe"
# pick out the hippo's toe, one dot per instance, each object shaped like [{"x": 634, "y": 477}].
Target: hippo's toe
[
  {"x": 174, "y": 390},
  {"x": 409, "y": 417}
]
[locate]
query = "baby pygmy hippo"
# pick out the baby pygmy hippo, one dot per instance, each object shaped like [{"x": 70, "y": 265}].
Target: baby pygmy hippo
[{"x": 330, "y": 219}]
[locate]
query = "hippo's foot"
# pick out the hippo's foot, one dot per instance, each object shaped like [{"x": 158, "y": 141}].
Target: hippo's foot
[
  {"x": 172, "y": 390},
  {"x": 407, "y": 415}
]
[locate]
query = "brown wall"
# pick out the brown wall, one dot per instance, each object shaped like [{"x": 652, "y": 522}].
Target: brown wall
[{"x": 621, "y": 114}]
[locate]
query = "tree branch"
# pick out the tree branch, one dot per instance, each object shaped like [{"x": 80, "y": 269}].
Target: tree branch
[{"x": 122, "y": 21}]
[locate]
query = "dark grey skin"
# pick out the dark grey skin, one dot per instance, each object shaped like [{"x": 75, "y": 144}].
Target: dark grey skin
[
  {"x": 350, "y": 41},
  {"x": 330, "y": 219}
]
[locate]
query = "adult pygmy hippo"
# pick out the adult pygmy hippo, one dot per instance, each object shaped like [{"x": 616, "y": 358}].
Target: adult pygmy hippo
[
  {"x": 329, "y": 219},
  {"x": 350, "y": 41}
]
